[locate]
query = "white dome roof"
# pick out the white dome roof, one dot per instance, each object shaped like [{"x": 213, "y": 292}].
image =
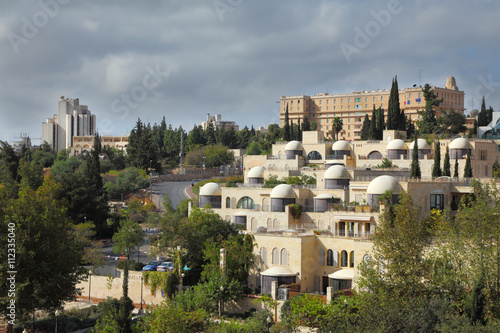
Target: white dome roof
[
  {"x": 398, "y": 144},
  {"x": 283, "y": 191},
  {"x": 293, "y": 145},
  {"x": 422, "y": 144},
  {"x": 382, "y": 184},
  {"x": 459, "y": 143},
  {"x": 336, "y": 172},
  {"x": 256, "y": 172},
  {"x": 341, "y": 145},
  {"x": 210, "y": 189}
]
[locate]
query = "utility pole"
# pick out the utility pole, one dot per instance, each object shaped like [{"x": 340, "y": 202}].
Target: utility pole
[{"x": 181, "y": 155}]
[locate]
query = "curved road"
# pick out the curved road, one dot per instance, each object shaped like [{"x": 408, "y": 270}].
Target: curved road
[{"x": 175, "y": 191}]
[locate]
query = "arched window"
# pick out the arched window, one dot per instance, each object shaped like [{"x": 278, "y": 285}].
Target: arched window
[
  {"x": 335, "y": 258},
  {"x": 228, "y": 202},
  {"x": 321, "y": 257},
  {"x": 314, "y": 155},
  {"x": 269, "y": 225},
  {"x": 276, "y": 224},
  {"x": 284, "y": 257},
  {"x": 344, "y": 259},
  {"x": 246, "y": 203},
  {"x": 276, "y": 256},
  {"x": 351, "y": 259},
  {"x": 329, "y": 258},
  {"x": 263, "y": 255}
]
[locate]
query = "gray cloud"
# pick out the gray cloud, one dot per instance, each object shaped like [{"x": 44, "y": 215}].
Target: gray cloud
[{"x": 237, "y": 62}]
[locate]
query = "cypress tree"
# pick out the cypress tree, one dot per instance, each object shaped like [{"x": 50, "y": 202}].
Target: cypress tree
[
  {"x": 380, "y": 124},
  {"x": 365, "y": 128},
  {"x": 286, "y": 127},
  {"x": 468, "y": 167},
  {"x": 446, "y": 163},
  {"x": 436, "y": 169},
  {"x": 415, "y": 165},
  {"x": 299, "y": 133},
  {"x": 292, "y": 130},
  {"x": 306, "y": 126},
  {"x": 372, "y": 131},
  {"x": 455, "y": 172},
  {"x": 394, "y": 114}
]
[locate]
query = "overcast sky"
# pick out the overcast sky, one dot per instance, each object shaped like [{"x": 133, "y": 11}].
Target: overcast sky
[{"x": 183, "y": 59}]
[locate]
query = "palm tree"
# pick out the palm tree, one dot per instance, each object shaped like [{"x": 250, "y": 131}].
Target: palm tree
[{"x": 337, "y": 125}]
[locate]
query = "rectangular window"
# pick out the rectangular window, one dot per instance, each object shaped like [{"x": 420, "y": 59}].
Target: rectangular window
[
  {"x": 298, "y": 108},
  {"x": 349, "y": 100},
  {"x": 357, "y": 99},
  {"x": 327, "y": 108},
  {"x": 334, "y": 107},
  {"x": 381, "y": 98},
  {"x": 357, "y": 106},
  {"x": 437, "y": 201}
]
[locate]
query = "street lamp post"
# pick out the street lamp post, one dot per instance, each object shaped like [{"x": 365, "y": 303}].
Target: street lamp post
[
  {"x": 141, "y": 310},
  {"x": 90, "y": 279},
  {"x": 116, "y": 266},
  {"x": 56, "y": 313}
]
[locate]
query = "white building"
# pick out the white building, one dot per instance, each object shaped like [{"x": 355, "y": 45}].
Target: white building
[
  {"x": 72, "y": 119},
  {"x": 217, "y": 122}
]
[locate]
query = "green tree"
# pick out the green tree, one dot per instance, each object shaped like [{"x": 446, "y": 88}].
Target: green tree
[
  {"x": 451, "y": 122},
  {"x": 436, "y": 168},
  {"x": 286, "y": 127},
  {"x": 415, "y": 164},
  {"x": 126, "y": 182},
  {"x": 141, "y": 149},
  {"x": 45, "y": 155},
  {"x": 306, "y": 126},
  {"x": 201, "y": 226},
  {"x": 365, "y": 129},
  {"x": 428, "y": 123},
  {"x": 482, "y": 117},
  {"x": 128, "y": 238},
  {"x": 455, "y": 171},
  {"x": 446, "y": 163},
  {"x": 395, "y": 116},
  {"x": 47, "y": 255},
  {"x": 337, "y": 125},
  {"x": 253, "y": 149},
  {"x": 380, "y": 123},
  {"x": 31, "y": 175},
  {"x": 468, "y": 167},
  {"x": 372, "y": 132}
]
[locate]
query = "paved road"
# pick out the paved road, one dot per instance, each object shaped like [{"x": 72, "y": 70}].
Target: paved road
[{"x": 175, "y": 191}]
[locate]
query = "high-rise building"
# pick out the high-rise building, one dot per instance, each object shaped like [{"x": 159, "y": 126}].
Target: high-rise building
[
  {"x": 352, "y": 107},
  {"x": 72, "y": 119}
]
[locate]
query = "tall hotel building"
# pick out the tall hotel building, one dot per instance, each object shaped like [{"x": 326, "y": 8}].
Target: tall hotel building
[
  {"x": 72, "y": 119},
  {"x": 351, "y": 108}
]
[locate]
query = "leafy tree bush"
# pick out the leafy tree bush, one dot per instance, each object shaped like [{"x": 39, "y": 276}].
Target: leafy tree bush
[{"x": 126, "y": 182}]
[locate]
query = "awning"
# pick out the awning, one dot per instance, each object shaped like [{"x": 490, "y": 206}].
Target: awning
[
  {"x": 278, "y": 271},
  {"x": 355, "y": 218},
  {"x": 343, "y": 274}
]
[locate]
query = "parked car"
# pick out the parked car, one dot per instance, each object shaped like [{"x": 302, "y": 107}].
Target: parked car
[
  {"x": 166, "y": 266},
  {"x": 152, "y": 265}
]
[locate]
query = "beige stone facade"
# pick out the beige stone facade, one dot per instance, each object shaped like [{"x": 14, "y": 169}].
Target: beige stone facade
[
  {"x": 352, "y": 107},
  {"x": 325, "y": 244},
  {"x": 86, "y": 143}
]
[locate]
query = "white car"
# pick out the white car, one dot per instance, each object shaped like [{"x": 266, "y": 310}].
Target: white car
[{"x": 166, "y": 266}]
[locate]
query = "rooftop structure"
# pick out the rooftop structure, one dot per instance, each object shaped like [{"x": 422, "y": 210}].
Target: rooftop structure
[{"x": 217, "y": 122}]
